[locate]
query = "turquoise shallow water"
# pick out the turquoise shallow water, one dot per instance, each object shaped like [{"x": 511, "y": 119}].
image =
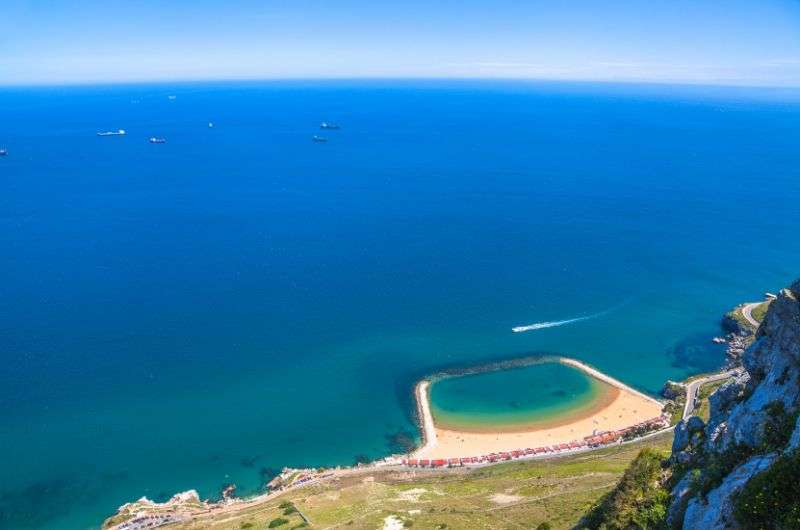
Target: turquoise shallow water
[
  {"x": 513, "y": 399},
  {"x": 239, "y": 299}
]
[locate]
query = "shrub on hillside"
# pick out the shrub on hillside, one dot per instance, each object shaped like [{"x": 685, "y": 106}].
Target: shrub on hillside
[
  {"x": 638, "y": 501},
  {"x": 778, "y": 427},
  {"x": 771, "y": 499}
]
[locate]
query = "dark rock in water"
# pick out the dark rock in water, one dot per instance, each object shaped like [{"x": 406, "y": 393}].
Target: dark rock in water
[
  {"x": 696, "y": 353},
  {"x": 23, "y": 507},
  {"x": 161, "y": 496},
  {"x": 361, "y": 459},
  {"x": 248, "y": 462},
  {"x": 400, "y": 442},
  {"x": 559, "y": 393},
  {"x": 266, "y": 475},
  {"x": 514, "y": 404},
  {"x": 731, "y": 324},
  {"x": 229, "y": 491},
  {"x": 672, "y": 390},
  {"x": 269, "y": 473}
]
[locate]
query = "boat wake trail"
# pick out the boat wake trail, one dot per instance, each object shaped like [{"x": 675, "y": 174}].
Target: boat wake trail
[{"x": 556, "y": 323}]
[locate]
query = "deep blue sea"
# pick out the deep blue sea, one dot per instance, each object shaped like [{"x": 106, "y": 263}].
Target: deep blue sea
[{"x": 238, "y": 299}]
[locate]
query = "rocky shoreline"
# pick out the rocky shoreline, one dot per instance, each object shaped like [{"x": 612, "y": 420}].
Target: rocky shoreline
[{"x": 721, "y": 470}]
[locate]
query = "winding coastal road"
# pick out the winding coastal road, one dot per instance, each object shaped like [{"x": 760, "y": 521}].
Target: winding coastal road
[
  {"x": 693, "y": 387},
  {"x": 747, "y": 313}
]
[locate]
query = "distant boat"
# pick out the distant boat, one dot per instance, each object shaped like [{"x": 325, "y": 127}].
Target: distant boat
[
  {"x": 318, "y": 139},
  {"x": 210, "y": 125},
  {"x": 3, "y": 152},
  {"x": 328, "y": 126},
  {"x": 154, "y": 140},
  {"x": 172, "y": 98},
  {"x": 120, "y": 132}
]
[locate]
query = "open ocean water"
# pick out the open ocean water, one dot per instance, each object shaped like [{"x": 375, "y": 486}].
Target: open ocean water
[{"x": 239, "y": 299}]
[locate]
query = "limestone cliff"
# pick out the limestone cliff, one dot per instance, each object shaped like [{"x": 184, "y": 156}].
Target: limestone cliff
[{"x": 753, "y": 421}]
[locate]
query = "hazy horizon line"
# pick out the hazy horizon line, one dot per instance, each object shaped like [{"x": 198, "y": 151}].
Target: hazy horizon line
[{"x": 378, "y": 78}]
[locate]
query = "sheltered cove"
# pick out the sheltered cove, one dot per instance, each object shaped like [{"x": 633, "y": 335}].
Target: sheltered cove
[{"x": 619, "y": 411}]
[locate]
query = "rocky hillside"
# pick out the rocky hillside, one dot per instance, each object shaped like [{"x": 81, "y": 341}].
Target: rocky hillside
[
  {"x": 741, "y": 470},
  {"x": 724, "y": 473},
  {"x": 717, "y": 468}
]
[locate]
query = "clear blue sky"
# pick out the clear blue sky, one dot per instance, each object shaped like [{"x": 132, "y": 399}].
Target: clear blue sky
[{"x": 754, "y": 42}]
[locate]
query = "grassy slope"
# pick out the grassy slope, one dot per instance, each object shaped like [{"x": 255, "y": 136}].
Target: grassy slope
[
  {"x": 702, "y": 396},
  {"x": 757, "y": 313},
  {"x": 559, "y": 491},
  {"x": 760, "y": 311}
]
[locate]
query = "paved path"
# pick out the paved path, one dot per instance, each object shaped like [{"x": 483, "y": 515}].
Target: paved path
[
  {"x": 747, "y": 313},
  {"x": 693, "y": 387}
]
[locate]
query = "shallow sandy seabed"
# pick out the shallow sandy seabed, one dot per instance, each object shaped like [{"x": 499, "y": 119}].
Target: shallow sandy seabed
[{"x": 627, "y": 408}]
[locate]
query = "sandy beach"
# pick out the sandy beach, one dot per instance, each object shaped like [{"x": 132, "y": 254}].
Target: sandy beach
[{"x": 623, "y": 408}]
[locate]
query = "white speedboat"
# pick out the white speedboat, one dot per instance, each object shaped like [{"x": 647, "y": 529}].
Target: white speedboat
[
  {"x": 3, "y": 152},
  {"x": 318, "y": 139},
  {"x": 156, "y": 140},
  {"x": 120, "y": 132},
  {"x": 328, "y": 126}
]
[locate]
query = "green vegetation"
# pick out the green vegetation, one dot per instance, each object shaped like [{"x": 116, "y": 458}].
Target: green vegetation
[
  {"x": 771, "y": 499},
  {"x": 555, "y": 492},
  {"x": 638, "y": 501},
  {"x": 759, "y": 312},
  {"x": 703, "y": 407},
  {"x": 675, "y": 409},
  {"x": 736, "y": 314},
  {"x": 275, "y": 523},
  {"x": 718, "y": 466},
  {"x": 778, "y": 427}
]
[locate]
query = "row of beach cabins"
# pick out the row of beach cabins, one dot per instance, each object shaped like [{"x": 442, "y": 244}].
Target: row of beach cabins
[{"x": 594, "y": 441}]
